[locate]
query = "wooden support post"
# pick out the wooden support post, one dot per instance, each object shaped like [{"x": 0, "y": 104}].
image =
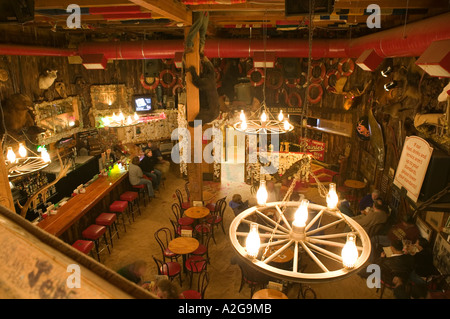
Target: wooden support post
[
  {"x": 195, "y": 174},
  {"x": 6, "y": 198}
]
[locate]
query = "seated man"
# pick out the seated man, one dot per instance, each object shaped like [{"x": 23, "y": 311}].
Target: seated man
[
  {"x": 147, "y": 165},
  {"x": 160, "y": 163},
  {"x": 376, "y": 215},
  {"x": 136, "y": 176},
  {"x": 364, "y": 203},
  {"x": 237, "y": 204}
]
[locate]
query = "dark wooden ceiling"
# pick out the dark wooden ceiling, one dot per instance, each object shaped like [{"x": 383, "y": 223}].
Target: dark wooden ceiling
[{"x": 169, "y": 18}]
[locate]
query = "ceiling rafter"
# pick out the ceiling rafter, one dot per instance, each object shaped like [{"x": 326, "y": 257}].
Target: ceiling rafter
[{"x": 169, "y": 9}]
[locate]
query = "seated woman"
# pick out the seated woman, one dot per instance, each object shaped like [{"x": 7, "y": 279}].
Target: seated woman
[
  {"x": 136, "y": 176},
  {"x": 134, "y": 271},
  {"x": 237, "y": 204},
  {"x": 147, "y": 165}
]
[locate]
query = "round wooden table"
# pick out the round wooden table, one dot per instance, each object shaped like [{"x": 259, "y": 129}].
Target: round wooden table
[
  {"x": 269, "y": 294},
  {"x": 183, "y": 245},
  {"x": 197, "y": 212},
  {"x": 356, "y": 187},
  {"x": 286, "y": 256}
]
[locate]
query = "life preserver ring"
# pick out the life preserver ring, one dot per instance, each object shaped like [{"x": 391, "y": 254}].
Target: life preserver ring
[
  {"x": 177, "y": 86},
  {"x": 326, "y": 83},
  {"x": 166, "y": 84},
  {"x": 274, "y": 75},
  {"x": 297, "y": 97},
  {"x": 323, "y": 70},
  {"x": 303, "y": 80},
  {"x": 254, "y": 82},
  {"x": 351, "y": 66},
  {"x": 290, "y": 84},
  {"x": 147, "y": 86},
  {"x": 318, "y": 97}
]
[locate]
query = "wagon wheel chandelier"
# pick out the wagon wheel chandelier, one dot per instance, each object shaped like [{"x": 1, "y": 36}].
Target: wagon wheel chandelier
[
  {"x": 325, "y": 252},
  {"x": 24, "y": 164},
  {"x": 262, "y": 121}
]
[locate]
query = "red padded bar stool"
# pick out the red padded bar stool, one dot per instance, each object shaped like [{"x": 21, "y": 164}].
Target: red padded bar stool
[
  {"x": 133, "y": 201},
  {"x": 85, "y": 246},
  {"x": 95, "y": 233},
  {"x": 142, "y": 191},
  {"x": 109, "y": 220},
  {"x": 120, "y": 207}
]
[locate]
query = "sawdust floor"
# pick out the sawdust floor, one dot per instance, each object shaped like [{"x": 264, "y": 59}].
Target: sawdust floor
[{"x": 139, "y": 243}]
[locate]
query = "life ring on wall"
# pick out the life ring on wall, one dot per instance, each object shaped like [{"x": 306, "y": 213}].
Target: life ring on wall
[
  {"x": 326, "y": 83},
  {"x": 294, "y": 95},
  {"x": 318, "y": 97},
  {"x": 256, "y": 71},
  {"x": 177, "y": 86},
  {"x": 277, "y": 76},
  {"x": 290, "y": 84},
  {"x": 162, "y": 76},
  {"x": 147, "y": 86},
  {"x": 323, "y": 71},
  {"x": 346, "y": 61}
]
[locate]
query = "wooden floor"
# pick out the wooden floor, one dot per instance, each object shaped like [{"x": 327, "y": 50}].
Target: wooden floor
[{"x": 139, "y": 243}]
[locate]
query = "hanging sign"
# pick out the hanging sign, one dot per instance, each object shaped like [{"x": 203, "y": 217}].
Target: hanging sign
[
  {"x": 316, "y": 148},
  {"x": 413, "y": 166}
]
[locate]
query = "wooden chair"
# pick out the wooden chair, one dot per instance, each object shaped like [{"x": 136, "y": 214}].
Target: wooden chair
[
  {"x": 178, "y": 228},
  {"x": 188, "y": 193},
  {"x": 202, "y": 284},
  {"x": 169, "y": 269},
  {"x": 195, "y": 265},
  {"x": 184, "y": 205},
  {"x": 163, "y": 236},
  {"x": 202, "y": 249},
  {"x": 178, "y": 214},
  {"x": 248, "y": 278},
  {"x": 216, "y": 217}
]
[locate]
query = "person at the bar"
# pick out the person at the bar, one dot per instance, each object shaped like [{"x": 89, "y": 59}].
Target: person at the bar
[
  {"x": 147, "y": 165},
  {"x": 136, "y": 176}
]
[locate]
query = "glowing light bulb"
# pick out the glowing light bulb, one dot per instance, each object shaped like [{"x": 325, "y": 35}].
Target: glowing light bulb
[
  {"x": 121, "y": 116},
  {"x": 106, "y": 121},
  {"x": 22, "y": 150},
  {"x": 45, "y": 156},
  {"x": 242, "y": 116},
  {"x": 280, "y": 116},
  {"x": 350, "y": 252},
  {"x": 263, "y": 117},
  {"x": 136, "y": 117},
  {"x": 244, "y": 125},
  {"x": 115, "y": 118},
  {"x": 253, "y": 241},
  {"x": 10, "y": 155},
  {"x": 261, "y": 194},
  {"x": 301, "y": 215},
  {"x": 129, "y": 120},
  {"x": 286, "y": 125},
  {"x": 332, "y": 197}
]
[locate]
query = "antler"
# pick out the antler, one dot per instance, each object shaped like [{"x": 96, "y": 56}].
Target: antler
[{"x": 63, "y": 172}]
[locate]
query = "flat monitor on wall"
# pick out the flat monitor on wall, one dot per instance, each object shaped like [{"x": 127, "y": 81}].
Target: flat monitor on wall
[{"x": 143, "y": 104}]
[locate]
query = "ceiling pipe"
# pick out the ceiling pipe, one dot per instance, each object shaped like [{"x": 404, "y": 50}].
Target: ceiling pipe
[{"x": 411, "y": 40}]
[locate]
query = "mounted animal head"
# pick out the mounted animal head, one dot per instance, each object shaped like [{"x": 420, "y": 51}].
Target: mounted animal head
[
  {"x": 47, "y": 78},
  {"x": 349, "y": 96}
]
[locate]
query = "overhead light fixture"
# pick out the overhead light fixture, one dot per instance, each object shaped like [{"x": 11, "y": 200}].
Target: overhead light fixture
[
  {"x": 387, "y": 71},
  {"x": 22, "y": 164},
  {"x": 389, "y": 86}
]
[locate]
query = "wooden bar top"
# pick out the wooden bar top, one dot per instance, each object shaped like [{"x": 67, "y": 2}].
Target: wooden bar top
[{"x": 79, "y": 205}]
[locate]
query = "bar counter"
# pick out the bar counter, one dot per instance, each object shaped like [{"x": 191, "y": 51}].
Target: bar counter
[{"x": 77, "y": 207}]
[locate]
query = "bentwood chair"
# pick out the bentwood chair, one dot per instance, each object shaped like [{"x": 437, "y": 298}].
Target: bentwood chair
[
  {"x": 163, "y": 236},
  {"x": 216, "y": 217},
  {"x": 177, "y": 228},
  {"x": 184, "y": 205},
  {"x": 177, "y": 213},
  {"x": 202, "y": 284},
  {"x": 170, "y": 269},
  {"x": 195, "y": 265},
  {"x": 202, "y": 249},
  {"x": 188, "y": 193}
]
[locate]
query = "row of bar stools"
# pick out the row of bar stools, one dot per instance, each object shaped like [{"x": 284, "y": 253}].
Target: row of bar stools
[
  {"x": 120, "y": 208},
  {"x": 95, "y": 233},
  {"x": 132, "y": 198},
  {"x": 109, "y": 221},
  {"x": 142, "y": 191},
  {"x": 85, "y": 246}
]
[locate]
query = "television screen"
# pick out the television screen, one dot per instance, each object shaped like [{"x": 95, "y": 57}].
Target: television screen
[{"x": 143, "y": 104}]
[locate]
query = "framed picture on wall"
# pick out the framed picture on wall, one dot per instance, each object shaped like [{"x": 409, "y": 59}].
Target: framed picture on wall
[
  {"x": 425, "y": 230},
  {"x": 441, "y": 255},
  {"x": 435, "y": 220}
]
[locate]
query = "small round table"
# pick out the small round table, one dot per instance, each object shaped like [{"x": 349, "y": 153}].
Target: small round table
[
  {"x": 183, "y": 246},
  {"x": 269, "y": 294},
  {"x": 197, "y": 212}
]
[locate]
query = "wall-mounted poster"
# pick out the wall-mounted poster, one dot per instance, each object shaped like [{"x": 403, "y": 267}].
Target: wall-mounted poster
[
  {"x": 316, "y": 148},
  {"x": 413, "y": 166}
]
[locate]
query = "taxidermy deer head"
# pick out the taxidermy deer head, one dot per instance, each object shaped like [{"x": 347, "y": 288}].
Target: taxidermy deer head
[
  {"x": 348, "y": 95},
  {"x": 46, "y": 80}
]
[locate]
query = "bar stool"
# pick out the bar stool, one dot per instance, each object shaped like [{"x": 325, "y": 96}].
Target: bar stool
[
  {"x": 120, "y": 207},
  {"x": 94, "y": 233},
  {"x": 108, "y": 220},
  {"x": 142, "y": 190},
  {"x": 84, "y": 246},
  {"x": 133, "y": 201}
]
